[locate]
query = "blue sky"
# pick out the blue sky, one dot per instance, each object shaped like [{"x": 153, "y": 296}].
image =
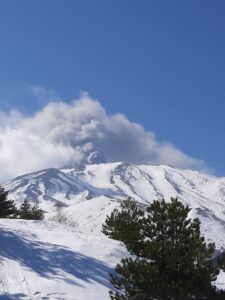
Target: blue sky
[{"x": 160, "y": 63}]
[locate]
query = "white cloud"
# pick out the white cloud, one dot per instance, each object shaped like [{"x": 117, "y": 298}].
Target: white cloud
[
  {"x": 64, "y": 134},
  {"x": 43, "y": 95}
]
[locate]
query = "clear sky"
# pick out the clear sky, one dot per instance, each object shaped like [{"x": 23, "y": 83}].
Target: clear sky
[{"x": 160, "y": 63}]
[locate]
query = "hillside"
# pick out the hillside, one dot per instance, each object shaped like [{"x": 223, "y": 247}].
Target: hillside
[
  {"x": 46, "y": 260},
  {"x": 43, "y": 260},
  {"x": 76, "y": 189}
]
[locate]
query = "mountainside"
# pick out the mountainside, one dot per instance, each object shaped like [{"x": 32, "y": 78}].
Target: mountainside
[
  {"x": 77, "y": 188},
  {"x": 46, "y": 260}
]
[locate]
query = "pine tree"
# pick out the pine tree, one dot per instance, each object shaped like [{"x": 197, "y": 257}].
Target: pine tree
[
  {"x": 25, "y": 210},
  {"x": 124, "y": 224},
  {"x": 28, "y": 212},
  {"x": 7, "y": 207},
  {"x": 37, "y": 213},
  {"x": 172, "y": 260}
]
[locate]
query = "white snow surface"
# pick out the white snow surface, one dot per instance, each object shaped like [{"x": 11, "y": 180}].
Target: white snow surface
[{"x": 46, "y": 260}]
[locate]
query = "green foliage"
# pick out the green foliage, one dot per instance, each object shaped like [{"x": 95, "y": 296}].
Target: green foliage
[
  {"x": 28, "y": 212},
  {"x": 7, "y": 207},
  {"x": 172, "y": 259},
  {"x": 25, "y": 210},
  {"x": 124, "y": 225},
  {"x": 37, "y": 213}
]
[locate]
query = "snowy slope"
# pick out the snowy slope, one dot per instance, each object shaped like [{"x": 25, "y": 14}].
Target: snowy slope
[
  {"x": 44, "y": 260},
  {"x": 52, "y": 261}
]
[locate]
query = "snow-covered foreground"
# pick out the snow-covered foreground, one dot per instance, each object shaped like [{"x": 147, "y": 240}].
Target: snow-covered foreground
[{"x": 46, "y": 260}]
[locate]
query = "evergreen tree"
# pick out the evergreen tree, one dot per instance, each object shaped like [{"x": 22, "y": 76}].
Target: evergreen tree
[
  {"x": 7, "y": 207},
  {"x": 28, "y": 212},
  {"x": 124, "y": 224},
  {"x": 172, "y": 260},
  {"x": 37, "y": 213},
  {"x": 25, "y": 210}
]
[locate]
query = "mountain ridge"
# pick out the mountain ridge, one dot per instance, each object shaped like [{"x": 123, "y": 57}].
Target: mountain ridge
[{"x": 73, "y": 187}]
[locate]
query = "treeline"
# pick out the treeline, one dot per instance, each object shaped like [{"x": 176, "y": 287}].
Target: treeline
[{"x": 26, "y": 211}]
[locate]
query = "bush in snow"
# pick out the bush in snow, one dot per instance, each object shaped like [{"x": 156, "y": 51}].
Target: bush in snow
[{"x": 61, "y": 217}]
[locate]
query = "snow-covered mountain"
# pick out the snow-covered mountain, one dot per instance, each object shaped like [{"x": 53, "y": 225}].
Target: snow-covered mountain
[
  {"x": 102, "y": 186},
  {"x": 88, "y": 196}
]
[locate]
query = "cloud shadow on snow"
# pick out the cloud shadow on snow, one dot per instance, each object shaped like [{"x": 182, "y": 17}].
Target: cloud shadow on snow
[
  {"x": 18, "y": 296},
  {"x": 52, "y": 261}
]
